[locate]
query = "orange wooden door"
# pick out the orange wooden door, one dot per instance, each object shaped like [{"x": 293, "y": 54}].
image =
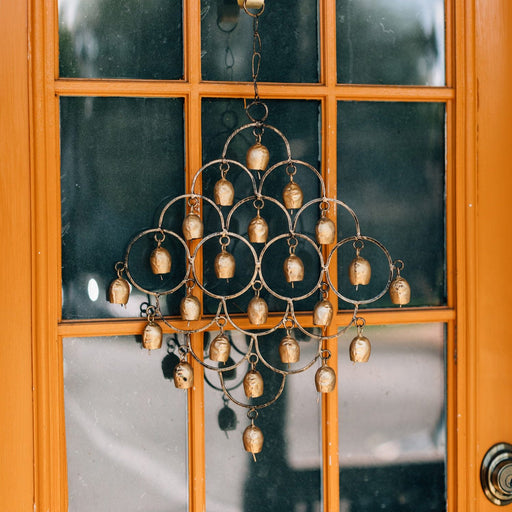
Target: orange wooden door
[{"x": 484, "y": 352}]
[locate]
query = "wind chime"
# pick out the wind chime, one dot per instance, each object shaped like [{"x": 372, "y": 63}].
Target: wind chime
[{"x": 256, "y": 239}]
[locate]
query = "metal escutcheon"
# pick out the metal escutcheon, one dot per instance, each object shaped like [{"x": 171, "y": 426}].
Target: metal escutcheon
[{"x": 496, "y": 474}]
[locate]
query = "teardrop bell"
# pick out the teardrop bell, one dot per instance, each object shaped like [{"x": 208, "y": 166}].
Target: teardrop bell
[
  {"x": 257, "y": 157},
  {"x": 325, "y": 231},
  {"x": 223, "y": 192},
  {"x": 400, "y": 291},
  {"x": 160, "y": 261},
  {"x": 359, "y": 271},
  {"x": 224, "y": 265},
  {"x": 190, "y": 308},
  {"x": 360, "y": 349},
  {"x": 253, "y": 439},
  {"x": 257, "y": 311},
  {"x": 325, "y": 379},
  {"x": 258, "y": 230},
  {"x": 220, "y": 348},
  {"x": 253, "y": 384},
  {"x": 322, "y": 314},
  {"x": 292, "y": 196},
  {"x": 289, "y": 350},
  {"x": 293, "y": 269},
  {"x": 152, "y": 336},
  {"x": 183, "y": 375},
  {"x": 119, "y": 291},
  {"x": 192, "y": 227}
]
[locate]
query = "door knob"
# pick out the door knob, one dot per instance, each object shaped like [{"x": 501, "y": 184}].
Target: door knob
[{"x": 496, "y": 474}]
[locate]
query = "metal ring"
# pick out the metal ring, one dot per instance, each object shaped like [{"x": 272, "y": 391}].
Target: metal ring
[
  {"x": 224, "y": 244},
  {"x": 360, "y": 321},
  {"x": 254, "y": 361},
  {"x": 356, "y": 246},
  {"x": 293, "y": 168},
  {"x": 258, "y": 205},
  {"x": 159, "y": 240},
  {"x": 257, "y": 285},
  {"x": 399, "y": 265},
  {"x": 251, "y": 117},
  {"x": 325, "y": 354},
  {"x": 224, "y": 167},
  {"x": 252, "y": 414}
]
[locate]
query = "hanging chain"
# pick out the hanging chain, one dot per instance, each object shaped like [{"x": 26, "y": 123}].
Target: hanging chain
[{"x": 256, "y": 55}]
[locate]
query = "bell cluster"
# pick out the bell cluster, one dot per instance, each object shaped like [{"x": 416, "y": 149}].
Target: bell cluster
[{"x": 256, "y": 238}]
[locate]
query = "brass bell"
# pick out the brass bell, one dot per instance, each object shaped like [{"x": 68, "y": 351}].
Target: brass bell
[
  {"x": 325, "y": 231},
  {"x": 119, "y": 291},
  {"x": 257, "y": 157},
  {"x": 325, "y": 379},
  {"x": 251, "y": 4},
  {"x": 360, "y": 349},
  {"x": 223, "y": 192},
  {"x": 192, "y": 227},
  {"x": 257, "y": 311},
  {"x": 289, "y": 350},
  {"x": 224, "y": 265},
  {"x": 160, "y": 261},
  {"x": 400, "y": 291},
  {"x": 190, "y": 308},
  {"x": 359, "y": 271},
  {"x": 220, "y": 348},
  {"x": 322, "y": 314},
  {"x": 253, "y": 384},
  {"x": 258, "y": 230},
  {"x": 293, "y": 269},
  {"x": 183, "y": 375},
  {"x": 152, "y": 336},
  {"x": 253, "y": 439},
  {"x": 292, "y": 196}
]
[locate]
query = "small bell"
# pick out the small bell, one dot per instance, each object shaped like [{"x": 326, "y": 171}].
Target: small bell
[
  {"x": 325, "y": 379},
  {"x": 224, "y": 265},
  {"x": 257, "y": 311},
  {"x": 258, "y": 230},
  {"x": 152, "y": 336},
  {"x": 293, "y": 269},
  {"x": 253, "y": 440},
  {"x": 292, "y": 196},
  {"x": 192, "y": 227},
  {"x": 257, "y": 157},
  {"x": 289, "y": 350},
  {"x": 119, "y": 291},
  {"x": 223, "y": 192},
  {"x": 360, "y": 349},
  {"x": 400, "y": 291},
  {"x": 359, "y": 271},
  {"x": 220, "y": 348},
  {"x": 325, "y": 231},
  {"x": 160, "y": 261},
  {"x": 252, "y": 4},
  {"x": 322, "y": 314},
  {"x": 226, "y": 419},
  {"x": 183, "y": 375},
  {"x": 253, "y": 384},
  {"x": 190, "y": 308}
]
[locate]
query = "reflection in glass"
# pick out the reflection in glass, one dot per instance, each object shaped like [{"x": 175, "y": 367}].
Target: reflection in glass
[
  {"x": 391, "y": 171},
  {"x": 286, "y": 475},
  {"x": 299, "y": 121},
  {"x": 391, "y": 42},
  {"x": 120, "y": 158},
  {"x": 125, "y": 428},
  {"x": 114, "y": 39},
  {"x": 393, "y": 421},
  {"x": 227, "y": 43}
]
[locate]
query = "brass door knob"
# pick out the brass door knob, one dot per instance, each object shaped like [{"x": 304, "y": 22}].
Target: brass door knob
[{"x": 496, "y": 474}]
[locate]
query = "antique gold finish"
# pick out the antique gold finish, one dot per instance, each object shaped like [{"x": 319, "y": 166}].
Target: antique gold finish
[
  {"x": 322, "y": 314},
  {"x": 258, "y": 230},
  {"x": 253, "y": 440},
  {"x": 192, "y": 227},
  {"x": 224, "y": 265},
  {"x": 223, "y": 192},
  {"x": 152, "y": 336},
  {"x": 289, "y": 350},
  {"x": 253, "y": 384},
  {"x": 251, "y": 4},
  {"x": 325, "y": 231},
  {"x": 293, "y": 269},
  {"x": 257, "y": 311},
  {"x": 359, "y": 271},
  {"x": 400, "y": 291},
  {"x": 257, "y": 157},
  {"x": 183, "y": 375},
  {"x": 360, "y": 349},
  {"x": 220, "y": 348},
  {"x": 292, "y": 196},
  {"x": 190, "y": 308},
  {"x": 160, "y": 261},
  {"x": 325, "y": 379},
  {"x": 119, "y": 291}
]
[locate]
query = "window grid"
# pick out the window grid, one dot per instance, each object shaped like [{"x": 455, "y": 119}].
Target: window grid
[{"x": 193, "y": 90}]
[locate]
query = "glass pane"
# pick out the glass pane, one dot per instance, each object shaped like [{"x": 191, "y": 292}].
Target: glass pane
[
  {"x": 299, "y": 122},
  {"x": 120, "y": 158},
  {"x": 393, "y": 422},
  {"x": 120, "y": 39},
  {"x": 391, "y": 171},
  {"x": 286, "y": 475},
  {"x": 289, "y": 37},
  {"x": 125, "y": 428},
  {"x": 391, "y": 42}
]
